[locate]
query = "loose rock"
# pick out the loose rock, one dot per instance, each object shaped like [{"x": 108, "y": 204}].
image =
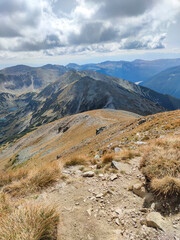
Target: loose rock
[
  {"x": 139, "y": 190},
  {"x": 113, "y": 177},
  {"x": 88, "y": 174},
  {"x": 117, "y": 149},
  {"x": 125, "y": 167},
  {"x": 156, "y": 220}
]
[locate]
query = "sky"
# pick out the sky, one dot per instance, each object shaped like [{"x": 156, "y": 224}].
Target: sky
[{"x": 37, "y": 32}]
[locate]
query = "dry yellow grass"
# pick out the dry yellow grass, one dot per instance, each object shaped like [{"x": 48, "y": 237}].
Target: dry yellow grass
[
  {"x": 108, "y": 158},
  {"x": 76, "y": 160},
  {"x": 127, "y": 154},
  {"x": 37, "y": 180},
  {"x": 7, "y": 177},
  {"x": 30, "y": 222},
  {"x": 5, "y": 205},
  {"x": 161, "y": 165},
  {"x": 161, "y": 158},
  {"x": 167, "y": 186}
]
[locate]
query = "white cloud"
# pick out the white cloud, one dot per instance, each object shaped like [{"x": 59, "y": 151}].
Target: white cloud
[{"x": 53, "y": 27}]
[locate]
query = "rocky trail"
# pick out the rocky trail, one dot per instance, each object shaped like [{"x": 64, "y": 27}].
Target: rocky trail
[{"x": 107, "y": 206}]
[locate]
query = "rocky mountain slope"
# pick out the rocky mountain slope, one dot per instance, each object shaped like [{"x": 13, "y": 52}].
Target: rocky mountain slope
[
  {"x": 135, "y": 71},
  {"x": 166, "y": 82},
  {"x": 76, "y": 92},
  {"x": 22, "y": 79},
  {"x": 93, "y": 168}
]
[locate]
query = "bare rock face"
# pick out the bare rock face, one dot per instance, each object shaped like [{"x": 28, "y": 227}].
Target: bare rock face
[{"x": 156, "y": 220}]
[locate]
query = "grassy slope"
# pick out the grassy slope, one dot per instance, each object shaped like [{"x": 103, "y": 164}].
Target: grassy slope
[{"x": 159, "y": 162}]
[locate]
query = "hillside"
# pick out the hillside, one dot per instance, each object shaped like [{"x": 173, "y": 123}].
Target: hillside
[
  {"x": 166, "y": 82},
  {"x": 76, "y": 92},
  {"x": 46, "y": 174},
  {"x": 135, "y": 71},
  {"x": 23, "y": 79}
]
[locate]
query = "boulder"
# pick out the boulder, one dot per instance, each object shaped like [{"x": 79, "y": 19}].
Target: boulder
[
  {"x": 88, "y": 174},
  {"x": 125, "y": 167},
  {"x": 156, "y": 220}
]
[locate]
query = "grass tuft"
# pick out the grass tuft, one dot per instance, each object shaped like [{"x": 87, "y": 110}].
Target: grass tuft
[
  {"x": 108, "y": 158},
  {"x": 32, "y": 222},
  {"x": 37, "y": 180},
  {"x": 7, "y": 177},
  {"x": 161, "y": 166},
  {"x": 166, "y": 187},
  {"x": 77, "y": 160}
]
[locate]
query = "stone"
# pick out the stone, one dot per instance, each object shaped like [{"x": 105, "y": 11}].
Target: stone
[
  {"x": 113, "y": 177},
  {"x": 156, "y": 220},
  {"x": 109, "y": 145},
  {"x": 58, "y": 156},
  {"x": 117, "y": 149},
  {"x": 100, "y": 195},
  {"x": 124, "y": 167},
  {"x": 141, "y": 121},
  {"x": 97, "y": 157},
  {"x": 89, "y": 212},
  {"x": 140, "y": 142},
  {"x": 139, "y": 190},
  {"x": 88, "y": 174},
  {"x": 99, "y": 130},
  {"x": 117, "y": 221},
  {"x": 120, "y": 212},
  {"x": 100, "y": 152}
]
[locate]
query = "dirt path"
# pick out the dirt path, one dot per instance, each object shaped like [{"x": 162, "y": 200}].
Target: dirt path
[{"x": 100, "y": 208}]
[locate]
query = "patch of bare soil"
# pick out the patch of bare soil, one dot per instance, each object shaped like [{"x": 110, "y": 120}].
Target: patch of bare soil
[{"x": 103, "y": 208}]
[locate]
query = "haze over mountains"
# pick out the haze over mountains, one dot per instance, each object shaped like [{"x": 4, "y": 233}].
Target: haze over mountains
[
  {"x": 135, "y": 71},
  {"x": 167, "y": 82}
]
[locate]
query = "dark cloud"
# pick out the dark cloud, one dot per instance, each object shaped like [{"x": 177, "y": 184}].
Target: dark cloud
[
  {"x": 121, "y": 8},
  {"x": 137, "y": 44},
  {"x": 50, "y": 42},
  {"x": 7, "y": 31},
  {"x": 93, "y": 32},
  {"x": 12, "y": 6}
]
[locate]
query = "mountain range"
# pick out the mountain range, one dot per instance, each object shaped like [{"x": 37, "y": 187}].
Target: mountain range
[
  {"x": 73, "y": 92},
  {"x": 167, "y": 82},
  {"x": 135, "y": 71},
  {"x": 160, "y": 75}
]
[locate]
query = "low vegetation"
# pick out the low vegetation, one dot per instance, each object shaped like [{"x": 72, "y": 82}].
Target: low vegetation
[
  {"x": 161, "y": 165},
  {"x": 7, "y": 177},
  {"x": 77, "y": 160},
  {"x": 32, "y": 222},
  {"x": 127, "y": 154},
  {"x": 36, "y": 180},
  {"x": 108, "y": 158},
  {"x": 5, "y": 205}
]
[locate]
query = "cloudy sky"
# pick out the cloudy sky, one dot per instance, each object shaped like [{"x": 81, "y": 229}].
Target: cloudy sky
[{"x": 36, "y": 32}]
